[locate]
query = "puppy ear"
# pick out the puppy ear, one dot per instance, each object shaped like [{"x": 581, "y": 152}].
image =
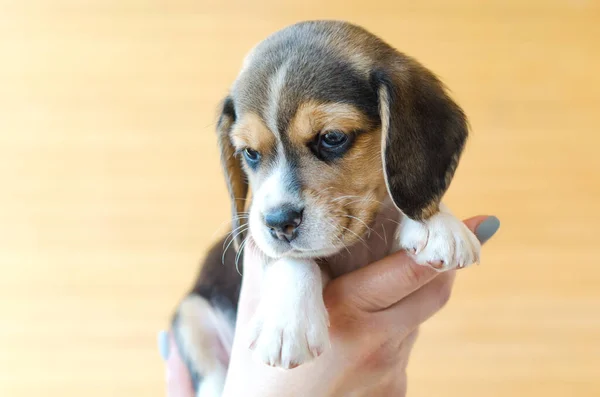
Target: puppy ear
[
  {"x": 423, "y": 135},
  {"x": 237, "y": 183}
]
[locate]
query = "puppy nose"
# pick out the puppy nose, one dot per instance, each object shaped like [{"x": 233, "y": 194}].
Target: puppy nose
[{"x": 283, "y": 223}]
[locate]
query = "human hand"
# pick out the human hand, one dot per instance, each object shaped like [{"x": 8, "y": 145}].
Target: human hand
[{"x": 374, "y": 313}]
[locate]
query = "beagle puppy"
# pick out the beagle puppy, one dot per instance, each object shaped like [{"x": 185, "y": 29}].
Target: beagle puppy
[{"x": 347, "y": 147}]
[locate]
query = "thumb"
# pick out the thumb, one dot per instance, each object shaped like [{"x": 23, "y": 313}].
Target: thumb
[
  {"x": 179, "y": 382},
  {"x": 387, "y": 281}
]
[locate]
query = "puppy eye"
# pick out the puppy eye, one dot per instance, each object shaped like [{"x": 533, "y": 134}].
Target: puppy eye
[
  {"x": 333, "y": 139},
  {"x": 252, "y": 156},
  {"x": 332, "y": 144}
]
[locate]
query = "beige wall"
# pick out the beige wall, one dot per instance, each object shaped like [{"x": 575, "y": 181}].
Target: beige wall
[{"x": 111, "y": 189}]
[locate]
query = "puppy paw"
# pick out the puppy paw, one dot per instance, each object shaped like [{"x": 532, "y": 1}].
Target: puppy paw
[
  {"x": 203, "y": 332},
  {"x": 442, "y": 242},
  {"x": 287, "y": 337}
]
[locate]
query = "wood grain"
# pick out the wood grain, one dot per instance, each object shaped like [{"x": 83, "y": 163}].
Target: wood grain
[{"x": 111, "y": 187}]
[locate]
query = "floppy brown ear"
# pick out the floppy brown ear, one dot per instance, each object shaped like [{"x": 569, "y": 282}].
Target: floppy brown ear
[
  {"x": 237, "y": 183},
  {"x": 423, "y": 135}
]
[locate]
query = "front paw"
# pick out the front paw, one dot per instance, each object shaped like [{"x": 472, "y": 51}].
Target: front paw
[
  {"x": 442, "y": 242},
  {"x": 288, "y": 338}
]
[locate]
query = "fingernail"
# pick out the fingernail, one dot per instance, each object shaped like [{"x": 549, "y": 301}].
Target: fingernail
[
  {"x": 163, "y": 344},
  {"x": 487, "y": 229}
]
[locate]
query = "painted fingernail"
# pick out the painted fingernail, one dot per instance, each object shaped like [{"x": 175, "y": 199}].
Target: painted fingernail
[
  {"x": 163, "y": 344},
  {"x": 487, "y": 229}
]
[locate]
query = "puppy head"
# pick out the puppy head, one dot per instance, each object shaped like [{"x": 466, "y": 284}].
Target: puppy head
[{"x": 324, "y": 121}]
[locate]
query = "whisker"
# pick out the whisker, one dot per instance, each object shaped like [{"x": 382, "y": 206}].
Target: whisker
[
  {"x": 228, "y": 245},
  {"x": 214, "y": 123},
  {"x": 237, "y": 257},
  {"x": 365, "y": 201},
  {"x": 360, "y": 238},
  {"x": 384, "y": 233},
  {"x": 342, "y": 244},
  {"x": 227, "y": 221},
  {"x": 242, "y": 214},
  {"x": 336, "y": 229},
  {"x": 364, "y": 223},
  {"x": 344, "y": 197},
  {"x": 360, "y": 199},
  {"x": 232, "y": 232}
]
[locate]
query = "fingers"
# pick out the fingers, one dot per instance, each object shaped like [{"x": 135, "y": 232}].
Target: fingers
[
  {"x": 179, "y": 383},
  {"x": 429, "y": 299},
  {"x": 484, "y": 227},
  {"x": 381, "y": 284},
  {"x": 423, "y": 303}
]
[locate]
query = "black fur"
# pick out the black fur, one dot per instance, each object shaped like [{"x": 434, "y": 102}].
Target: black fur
[
  {"x": 219, "y": 277},
  {"x": 219, "y": 283},
  {"x": 427, "y": 133},
  {"x": 228, "y": 110}
]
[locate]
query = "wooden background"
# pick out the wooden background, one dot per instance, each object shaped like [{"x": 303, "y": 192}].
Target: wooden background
[{"x": 111, "y": 189}]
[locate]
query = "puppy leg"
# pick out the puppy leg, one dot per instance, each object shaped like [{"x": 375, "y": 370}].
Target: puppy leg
[
  {"x": 442, "y": 241},
  {"x": 290, "y": 326},
  {"x": 204, "y": 335},
  {"x": 204, "y": 323}
]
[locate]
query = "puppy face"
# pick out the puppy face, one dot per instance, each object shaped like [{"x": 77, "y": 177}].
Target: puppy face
[
  {"x": 317, "y": 184},
  {"x": 324, "y": 121}
]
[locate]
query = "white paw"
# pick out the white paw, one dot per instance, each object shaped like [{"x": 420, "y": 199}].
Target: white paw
[
  {"x": 442, "y": 242},
  {"x": 287, "y": 335}
]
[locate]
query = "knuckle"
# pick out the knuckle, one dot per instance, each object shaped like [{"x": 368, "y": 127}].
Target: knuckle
[
  {"x": 414, "y": 274},
  {"x": 443, "y": 294}
]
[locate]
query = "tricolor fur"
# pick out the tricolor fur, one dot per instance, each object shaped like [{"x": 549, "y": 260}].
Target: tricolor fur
[{"x": 346, "y": 147}]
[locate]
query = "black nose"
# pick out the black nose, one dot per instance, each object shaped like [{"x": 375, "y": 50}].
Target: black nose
[{"x": 283, "y": 223}]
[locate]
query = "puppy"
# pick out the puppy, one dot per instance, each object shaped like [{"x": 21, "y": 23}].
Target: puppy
[{"x": 347, "y": 146}]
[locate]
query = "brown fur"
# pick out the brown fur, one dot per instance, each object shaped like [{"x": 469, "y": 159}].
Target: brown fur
[
  {"x": 313, "y": 117},
  {"x": 250, "y": 131},
  {"x": 409, "y": 134},
  {"x": 236, "y": 180},
  {"x": 347, "y": 191}
]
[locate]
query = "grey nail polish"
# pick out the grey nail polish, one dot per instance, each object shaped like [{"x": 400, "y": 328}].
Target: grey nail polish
[
  {"x": 487, "y": 229},
  {"x": 163, "y": 344}
]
